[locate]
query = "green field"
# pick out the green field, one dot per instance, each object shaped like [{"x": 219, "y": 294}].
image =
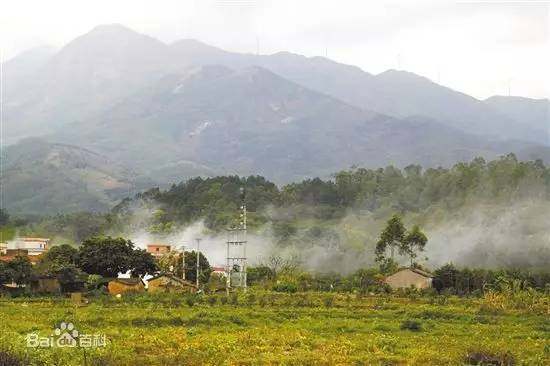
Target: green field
[{"x": 273, "y": 328}]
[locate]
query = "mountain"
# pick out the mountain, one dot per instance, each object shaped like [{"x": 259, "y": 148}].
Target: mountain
[
  {"x": 25, "y": 64},
  {"x": 395, "y": 93},
  {"x": 87, "y": 75},
  {"x": 252, "y": 121},
  {"x": 163, "y": 113},
  {"x": 530, "y": 113},
  {"x": 44, "y": 178}
]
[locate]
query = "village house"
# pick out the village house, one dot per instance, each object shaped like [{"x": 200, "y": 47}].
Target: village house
[
  {"x": 124, "y": 285},
  {"x": 219, "y": 270},
  {"x": 410, "y": 277},
  {"x": 33, "y": 246},
  {"x": 170, "y": 283},
  {"x": 158, "y": 250}
]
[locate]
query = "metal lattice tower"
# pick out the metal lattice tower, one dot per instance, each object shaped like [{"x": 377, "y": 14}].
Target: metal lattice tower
[{"x": 235, "y": 268}]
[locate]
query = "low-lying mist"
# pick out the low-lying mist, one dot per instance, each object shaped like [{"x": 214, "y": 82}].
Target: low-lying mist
[{"x": 476, "y": 235}]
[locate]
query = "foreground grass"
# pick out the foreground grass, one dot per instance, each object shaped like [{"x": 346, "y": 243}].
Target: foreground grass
[{"x": 284, "y": 329}]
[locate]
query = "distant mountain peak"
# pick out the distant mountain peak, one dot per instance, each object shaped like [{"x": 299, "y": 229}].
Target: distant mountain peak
[{"x": 111, "y": 28}]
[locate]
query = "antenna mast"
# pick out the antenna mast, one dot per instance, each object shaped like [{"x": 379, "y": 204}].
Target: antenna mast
[{"x": 236, "y": 250}]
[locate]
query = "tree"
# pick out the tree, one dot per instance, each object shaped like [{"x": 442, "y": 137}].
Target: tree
[
  {"x": 21, "y": 270},
  {"x": 60, "y": 262},
  {"x": 172, "y": 263},
  {"x": 391, "y": 237},
  {"x": 5, "y": 273},
  {"x": 143, "y": 263},
  {"x": 4, "y": 217},
  {"x": 62, "y": 255},
  {"x": 414, "y": 241},
  {"x": 106, "y": 256}
]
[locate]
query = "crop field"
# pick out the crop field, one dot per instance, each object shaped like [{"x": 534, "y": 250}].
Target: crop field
[{"x": 272, "y": 328}]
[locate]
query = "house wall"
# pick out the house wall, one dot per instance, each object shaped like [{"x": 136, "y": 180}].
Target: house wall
[
  {"x": 408, "y": 278},
  {"x": 116, "y": 288},
  {"x": 158, "y": 250},
  {"x": 166, "y": 284}
]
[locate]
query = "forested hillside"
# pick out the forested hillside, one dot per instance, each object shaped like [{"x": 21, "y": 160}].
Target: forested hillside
[{"x": 483, "y": 213}]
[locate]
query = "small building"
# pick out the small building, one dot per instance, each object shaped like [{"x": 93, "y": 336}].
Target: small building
[
  {"x": 46, "y": 285},
  {"x": 158, "y": 249},
  {"x": 170, "y": 283},
  {"x": 33, "y": 246},
  {"x": 125, "y": 285},
  {"x": 410, "y": 277},
  {"x": 219, "y": 270}
]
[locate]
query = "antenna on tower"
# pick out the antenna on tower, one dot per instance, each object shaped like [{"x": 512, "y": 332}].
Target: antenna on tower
[{"x": 236, "y": 249}]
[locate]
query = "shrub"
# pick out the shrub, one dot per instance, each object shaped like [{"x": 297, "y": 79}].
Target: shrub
[
  {"x": 190, "y": 300},
  {"x": 303, "y": 300},
  {"x": 328, "y": 301},
  {"x": 412, "y": 325},
  {"x": 285, "y": 287},
  {"x": 224, "y": 300},
  {"x": 250, "y": 299},
  {"x": 234, "y": 299},
  {"x": 9, "y": 359},
  {"x": 489, "y": 359},
  {"x": 263, "y": 301},
  {"x": 212, "y": 300}
]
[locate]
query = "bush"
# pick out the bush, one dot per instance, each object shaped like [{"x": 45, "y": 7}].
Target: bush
[
  {"x": 285, "y": 287},
  {"x": 224, "y": 300},
  {"x": 263, "y": 301},
  {"x": 303, "y": 300},
  {"x": 250, "y": 299},
  {"x": 190, "y": 300},
  {"x": 412, "y": 325},
  {"x": 212, "y": 300},
  {"x": 9, "y": 359},
  {"x": 489, "y": 359},
  {"x": 328, "y": 301},
  {"x": 234, "y": 299}
]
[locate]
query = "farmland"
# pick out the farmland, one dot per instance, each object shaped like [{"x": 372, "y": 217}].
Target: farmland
[{"x": 276, "y": 328}]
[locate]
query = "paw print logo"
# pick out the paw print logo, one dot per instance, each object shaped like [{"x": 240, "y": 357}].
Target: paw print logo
[{"x": 67, "y": 335}]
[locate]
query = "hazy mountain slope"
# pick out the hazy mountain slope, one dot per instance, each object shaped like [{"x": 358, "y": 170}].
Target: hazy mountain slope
[
  {"x": 17, "y": 70},
  {"x": 44, "y": 178},
  {"x": 532, "y": 113},
  {"x": 87, "y": 75},
  {"x": 394, "y": 93},
  {"x": 252, "y": 121}
]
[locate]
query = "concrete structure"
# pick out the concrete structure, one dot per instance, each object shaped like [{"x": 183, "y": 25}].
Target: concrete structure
[
  {"x": 34, "y": 246},
  {"x": 410, "y": 277},
  {"x": 158, "y": 249},
  {"x": 124, "y": 285},
  {"x": 170, "y": 283}
]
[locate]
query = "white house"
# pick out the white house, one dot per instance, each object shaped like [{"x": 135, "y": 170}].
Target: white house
[{"x": 34, "y": 246}]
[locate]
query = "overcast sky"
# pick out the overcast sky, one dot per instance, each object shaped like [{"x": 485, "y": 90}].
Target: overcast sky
[{"x": 479, "y": 47}]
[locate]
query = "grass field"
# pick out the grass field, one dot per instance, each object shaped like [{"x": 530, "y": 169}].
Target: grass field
[{"x": 268, "y": 328}]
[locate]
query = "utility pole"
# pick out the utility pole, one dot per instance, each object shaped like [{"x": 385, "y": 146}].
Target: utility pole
[
  {"x": 182, "y": 262},
  {"x": 198, "y": 258}
]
